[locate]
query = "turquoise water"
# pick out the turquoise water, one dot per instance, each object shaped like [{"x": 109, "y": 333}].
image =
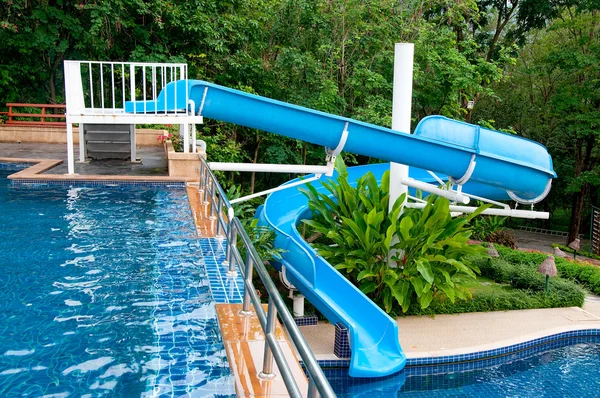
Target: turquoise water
[{"x": 103, "y": 293}]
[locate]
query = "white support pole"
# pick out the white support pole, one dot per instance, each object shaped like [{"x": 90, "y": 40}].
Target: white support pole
[
  {"x": 70, "y": 150},
  {"x": 82, "y": 143},
  {"x": 268, "y": 168},
  {"x": 133, "y": 143},
  {"x": 401, "y": 111},
  {"x": 401, "y": 115},
  {"x": 541, "y": 215},
  {"x": 185, "y": 132}
]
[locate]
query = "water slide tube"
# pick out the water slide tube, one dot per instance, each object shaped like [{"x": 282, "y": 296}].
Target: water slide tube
[{"x": 506, "y": 165}]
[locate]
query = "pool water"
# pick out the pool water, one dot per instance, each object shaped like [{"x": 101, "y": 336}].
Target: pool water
[
  {"x": 569, "y": 368},
  {"x": 103, "y": 293}
]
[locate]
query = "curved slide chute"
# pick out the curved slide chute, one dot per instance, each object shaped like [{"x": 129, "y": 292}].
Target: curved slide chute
[{"x": 505, "y": 165}]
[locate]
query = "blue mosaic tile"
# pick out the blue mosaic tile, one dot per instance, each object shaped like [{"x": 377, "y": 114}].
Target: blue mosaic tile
[
  {"x": 107, "y": 184},
  {"x": 307, "y": 320},
  {"x": 225, "y": 289},
  {"x": 341, "y": 346}
]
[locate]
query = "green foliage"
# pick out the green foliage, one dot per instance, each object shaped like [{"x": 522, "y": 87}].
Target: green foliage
[
  {"x": 358, "y": 231},
  {"x": 526, "y": 289},
  {"x": 562, "y": 295},
  {"x": 484, "y": 226},
  {"x": 586, "y": 275}
]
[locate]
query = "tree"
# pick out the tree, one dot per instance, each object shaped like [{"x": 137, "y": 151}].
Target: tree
[{"x": 557, "y": 77}]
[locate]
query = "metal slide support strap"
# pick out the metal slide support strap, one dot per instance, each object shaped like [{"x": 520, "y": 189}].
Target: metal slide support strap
[
  {"x": 279, "y": 188},
  {"x": 333, "y": 153},
  {"x": 533, "y": 201},
  {"x": 468, "y": 173},
  {"x": 202, "y": 102}
]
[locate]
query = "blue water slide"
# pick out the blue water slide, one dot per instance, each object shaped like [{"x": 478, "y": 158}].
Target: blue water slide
[
  {"x": 505, "y": 165},
  {"x": 439, "y": 144}
]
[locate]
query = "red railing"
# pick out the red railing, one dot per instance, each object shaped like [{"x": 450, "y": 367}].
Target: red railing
[{"x": 42, "y": 116}]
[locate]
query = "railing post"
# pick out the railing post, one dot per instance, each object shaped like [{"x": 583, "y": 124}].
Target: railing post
[
  {"x": 267, "y": 370},
  {"x": 206, "y": 182},
  {"x": 312, "y": 388},
  {"x": 219, "y": 211},
  {"x": 231, "y": 243},
  {"x": 201, "y": 173},
  {"x": 248, "y": 282}
]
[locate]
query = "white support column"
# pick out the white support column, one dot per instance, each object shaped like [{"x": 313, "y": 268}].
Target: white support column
[
  {"x": 401, "y": 111},
  {"x": 70, "y": 150},
  {"x": 401, "y": 115},
  {"x": 185, "y": 133},
  {"x": 133, "y": 143},
  {"x": 193, "y": 132},
  {"x": 82, "y": 143}
]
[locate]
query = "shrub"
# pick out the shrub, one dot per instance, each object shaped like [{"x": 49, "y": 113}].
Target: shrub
[
  {"x": 357, "y": 231},
  {"x": 587, "y": 275},
  {"x": 484, "y": 226},
  {"x": 504, "y": 237},
  {"x": 528, "y": 292},
  {"x": 559, "y": 296}
]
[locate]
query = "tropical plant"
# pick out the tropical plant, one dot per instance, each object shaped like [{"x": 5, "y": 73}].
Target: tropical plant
[
  {"x": 358, "y": 238},
  {"x": 485, "y": 226}
]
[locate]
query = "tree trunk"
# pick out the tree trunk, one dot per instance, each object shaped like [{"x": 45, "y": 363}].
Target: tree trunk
[
  {"x": 576, "y": 212},
  {"x": 582, "y": 164},
  {"x": 52, "y": 84}
]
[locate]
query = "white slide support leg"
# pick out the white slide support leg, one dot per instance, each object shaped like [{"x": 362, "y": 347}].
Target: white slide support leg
[
  {"x": 70, "y": 149},
  {"x": 401, "y": 115},
  {"x": 82, "y": 142}
]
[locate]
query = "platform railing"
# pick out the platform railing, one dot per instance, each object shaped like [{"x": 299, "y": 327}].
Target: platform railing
[
  {"x": 218, "y": 209},
  {"x": 103, "y": 88}
]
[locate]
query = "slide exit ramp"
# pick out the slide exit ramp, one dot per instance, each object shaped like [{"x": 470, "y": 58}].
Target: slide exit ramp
[{"x": 506, "y": 164}]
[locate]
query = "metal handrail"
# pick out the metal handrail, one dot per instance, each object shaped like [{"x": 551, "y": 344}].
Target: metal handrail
[{"x": 221, "y": 212}]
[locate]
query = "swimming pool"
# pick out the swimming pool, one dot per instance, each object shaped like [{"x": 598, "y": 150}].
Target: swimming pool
[
  {"x": 103, "y": 292},
  {"x": 563, "y": 368}
]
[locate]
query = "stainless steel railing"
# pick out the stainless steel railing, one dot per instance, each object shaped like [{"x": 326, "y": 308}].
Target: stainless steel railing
[{"x": 218, "y": 209}]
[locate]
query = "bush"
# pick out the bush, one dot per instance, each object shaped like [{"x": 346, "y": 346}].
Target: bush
[
  {"x": 525, "y": 276},
  {"x": 587, "y": 275},
  {"x": 504, "y": 237},
  {"x": 560, "y": 295},
  {"x": 529, "y": 292},
  {"x": 484, "y": 226},
  {"x": 357, "y": 230}
]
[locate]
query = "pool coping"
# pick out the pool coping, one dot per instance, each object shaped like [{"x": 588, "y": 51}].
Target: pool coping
[
  {"x": 481, "y": 352},
  {"x": 34, "y": 174}
]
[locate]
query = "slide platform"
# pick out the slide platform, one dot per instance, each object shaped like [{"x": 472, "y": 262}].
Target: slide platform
[{"x": 505, "y": 165}]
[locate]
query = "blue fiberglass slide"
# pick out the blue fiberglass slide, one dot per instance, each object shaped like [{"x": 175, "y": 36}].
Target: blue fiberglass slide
[{"x": 505, "y": 165}]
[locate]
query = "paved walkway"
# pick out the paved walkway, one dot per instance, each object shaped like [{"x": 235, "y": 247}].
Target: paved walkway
[
  {"x": 153, "y": 161},
  {"x": 424, "y": 336}
]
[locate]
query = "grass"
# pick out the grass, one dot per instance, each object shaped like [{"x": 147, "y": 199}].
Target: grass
[{"x": 484, "y": 285}]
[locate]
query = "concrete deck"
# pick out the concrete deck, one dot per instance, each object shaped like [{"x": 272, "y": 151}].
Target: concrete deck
[{"x": 424, "y": 336}]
